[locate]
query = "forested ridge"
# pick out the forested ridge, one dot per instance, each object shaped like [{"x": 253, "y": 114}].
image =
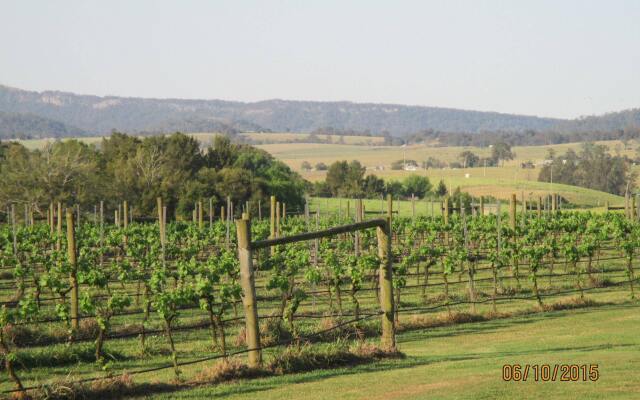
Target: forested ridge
[{"x": 54, "y": 113}]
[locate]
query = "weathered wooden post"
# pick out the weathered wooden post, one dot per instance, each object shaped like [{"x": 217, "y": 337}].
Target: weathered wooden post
[
  {"x": 200, "y": 216},
  {"x": 272, "y": 217},
  {"x": 160, "y": 220},
  {"x": 247, "y": 281},
  {"x": 554, "y": 203},
  {"x": 357, "y": 233},
  {"x": 284, "y": 214},
  {"x": 512, "y": 211},
  {"x": 481, "y": 205},
  {"x": 445, "y": 210},
  {"x": 125, "y": 219},
  {"x": 277, "y": 218},
  {"x": 73, "y": 262},
  {"x": 51, "y": 215},
  {"x": 59, "y": 227},
  {"x": 14, "y": 229},
  {"x": 388, "y": 339}
]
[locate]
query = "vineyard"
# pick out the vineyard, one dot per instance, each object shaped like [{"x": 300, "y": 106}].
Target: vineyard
[{"x": 86, "y": 299}]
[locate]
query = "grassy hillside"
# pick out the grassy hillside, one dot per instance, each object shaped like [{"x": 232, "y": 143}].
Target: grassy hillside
[{"x": 499, "y": 182}]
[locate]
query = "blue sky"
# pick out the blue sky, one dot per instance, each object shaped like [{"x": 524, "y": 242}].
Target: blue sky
[{"x": 550, "y": 58}]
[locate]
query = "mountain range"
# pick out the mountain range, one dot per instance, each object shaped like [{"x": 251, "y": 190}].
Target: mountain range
[{"x": 58, "y": 114}]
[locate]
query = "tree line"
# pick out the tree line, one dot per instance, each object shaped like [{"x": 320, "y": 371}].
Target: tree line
[
  {"x": 124, "y": 167},
  {"x": 592, "y": 167},
  {"x": 349, "y": 179}
]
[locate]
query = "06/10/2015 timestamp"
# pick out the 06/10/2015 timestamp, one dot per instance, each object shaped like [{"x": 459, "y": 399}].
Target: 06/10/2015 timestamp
[{"x": 550, "y": 372}]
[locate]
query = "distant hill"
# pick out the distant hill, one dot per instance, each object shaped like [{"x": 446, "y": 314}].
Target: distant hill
[
  {"x": 30, "y": 126},
  {"x": 100, "y": 115}
]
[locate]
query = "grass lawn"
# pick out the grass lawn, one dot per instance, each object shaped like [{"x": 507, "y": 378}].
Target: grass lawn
[{"x": 465, "y": 362}]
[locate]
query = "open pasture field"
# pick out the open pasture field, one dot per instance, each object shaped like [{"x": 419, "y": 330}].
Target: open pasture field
[
  {"x": 464, "y": 307},
  {"x": 206, "y": 138},
  {"x": 371, "y": 156}
]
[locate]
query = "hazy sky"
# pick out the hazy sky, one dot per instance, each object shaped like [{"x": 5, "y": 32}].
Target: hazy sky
[{"x": 550, "y": 58}]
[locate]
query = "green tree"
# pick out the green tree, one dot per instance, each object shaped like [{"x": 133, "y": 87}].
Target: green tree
[
  {"x": 417, "y": 185},
  {"x": 373, "y": 186},
  {"x": 441, "y": 189},
  {"x": 501, "y": 152},
  {"x": 345, "y": 179},
  {"x": 469, "y": 159}
]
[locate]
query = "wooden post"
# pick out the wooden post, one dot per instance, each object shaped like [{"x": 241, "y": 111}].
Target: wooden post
[
  {"x": 512, "y": 211},
  {"x": 14, "y": 229},
  {"x": 284, "y": 213},
  {"x": 481, "y": 205},
  {"x": 260, "y": 209},
  {"x": 554, "y": 202},
  {"x": 357, "y": 233},
  {"x": 160, "y": 220},
  {"x": 228, "y": 220},
  {"x": 59, "y": 226},
  {"x": 125, "y": 219},
  {"x": 445, "y": 210},
  {"x": 125, "y": 215},
  {"x": 272, "y": 217},
  {"x": 247, "y": 280},
  {"x": 200, "y": 216},
  {"x": 388, "y": 339},
  {"x": 606, "y": 205},
  {"x": 52, "y": 221},
  {"x": 73, "y": 262},
  {"x": 638, "y": 206},
  {"x": 277, "y": 218},
  {"x": 632, "y": 211}
]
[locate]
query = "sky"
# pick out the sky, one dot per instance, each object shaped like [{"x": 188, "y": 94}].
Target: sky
[{"x": 553, "y": 58}]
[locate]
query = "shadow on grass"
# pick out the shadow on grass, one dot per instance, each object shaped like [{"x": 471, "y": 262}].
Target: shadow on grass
[{"x": 253, "y": 386}]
